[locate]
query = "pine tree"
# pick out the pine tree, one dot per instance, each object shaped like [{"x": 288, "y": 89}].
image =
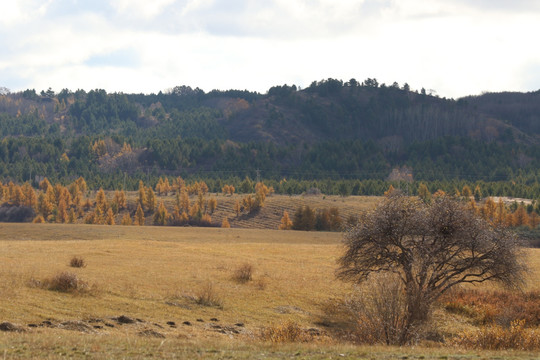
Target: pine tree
[
  {"x": 466, "y": 192},
  {"x": 500, "y": 213},
  {"x": 44, "y": 185},
  {"x": 237, "y": 208},
  {"x": 184, "y": 201},
  {"x": 477, "y": 193},
  {"x": 166, "y": 187},
  {"x": 159, "y": 186},
  {"x": 72, "y": 218},
  {"x": 520, "y": 216},
  {"x": 489, "y": 210},
  {"x": 534, "y": 220},
  {"x": 120, "y": 199},
  {"x": 424, "y": 194},
  {"x": 81, "y": 183},
  {"x": 109, "y": 220},
  {"x": 39, "y": 219},
  {"x": 225, "y": 223},
  {"x": 101, "y": 201},
  {"x": 17, "y": 197},
  {"x": 389, "y": 191},
  {"x": 195, "y": 212},
  {"x": 212, "y": 205},
  {"x": 206, "y": 220},
  {"x": 225, "y": 189},
  {"x": 62, "y": 214},
  {"x": 142, "y": 194},
  {"x": 150, "y": 199},
  {"x": 126, "y": 220},
  {"x": 161, "y": 216},
  {"x": 45, "y": 207},
  {"x": 30, "y": 197},
  {"x": 139, "y": 216},
  {"x": 286, "y": 223}
]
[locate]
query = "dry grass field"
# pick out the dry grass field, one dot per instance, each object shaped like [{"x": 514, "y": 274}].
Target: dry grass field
[{"x": 177, "y": 285}]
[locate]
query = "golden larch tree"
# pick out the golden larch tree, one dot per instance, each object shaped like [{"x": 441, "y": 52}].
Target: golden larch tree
[
  {"x": 286, "y": 223},
  {"x": 161, "y": 216},
  {"x": 139, "y": 216},
  {"x": 109, "y": 219},
  {"x": 225, "y": 223}
]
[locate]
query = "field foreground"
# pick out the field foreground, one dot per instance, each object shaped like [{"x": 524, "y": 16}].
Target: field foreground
[{"x": 173, "y": 293}]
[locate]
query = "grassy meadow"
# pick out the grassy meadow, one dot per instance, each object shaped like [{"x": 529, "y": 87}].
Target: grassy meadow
[{"x": 180, "y": 288}]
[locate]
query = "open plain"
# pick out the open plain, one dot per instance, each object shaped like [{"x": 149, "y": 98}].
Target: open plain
[{"x": 170, "y": 292}]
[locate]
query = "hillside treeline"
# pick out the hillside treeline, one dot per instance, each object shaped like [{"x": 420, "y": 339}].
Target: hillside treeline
[{"x": 327, "y": 135}]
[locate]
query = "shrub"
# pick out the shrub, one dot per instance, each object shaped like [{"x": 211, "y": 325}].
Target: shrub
[
  {"x": 14, "y": 213},
  {"x": 495, "y": 307},
  {"x": 207, "y": 296},
  {"x": 496, "y": 337},
  {"x": 77, "y": 262},
  {"x": 288, "y": 331},
  {"x": 243, "y": 273},
  {"x": 66, "y": 282}
]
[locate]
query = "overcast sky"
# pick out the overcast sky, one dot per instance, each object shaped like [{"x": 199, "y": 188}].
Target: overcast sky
[{"x": 456, "y": 47}]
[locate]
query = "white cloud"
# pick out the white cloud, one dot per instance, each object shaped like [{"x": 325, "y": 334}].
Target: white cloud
[
  {"x": 452, "y": 46},
  {"x": 145, "y": 9}
]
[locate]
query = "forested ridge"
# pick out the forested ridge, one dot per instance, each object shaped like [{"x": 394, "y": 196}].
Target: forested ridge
[{"x": 326, "y": 135}]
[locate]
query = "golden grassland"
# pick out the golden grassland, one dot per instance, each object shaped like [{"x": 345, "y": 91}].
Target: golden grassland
[{"x": 156, "y": 274}]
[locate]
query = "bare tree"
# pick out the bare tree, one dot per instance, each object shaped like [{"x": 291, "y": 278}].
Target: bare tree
[{"x": 431, "y": 248}]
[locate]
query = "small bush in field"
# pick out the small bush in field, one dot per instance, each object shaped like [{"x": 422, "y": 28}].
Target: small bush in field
[
  {"x": 288, "y": 331},
  {"x": 66, "y": 282},
  {"x": 496, "y": 337},
  {"x": 495, "y": 307},
  {"x": 77, "y": 262},
  {"x": 207, "y": 296},
  {"x": 243, "y": 273}
]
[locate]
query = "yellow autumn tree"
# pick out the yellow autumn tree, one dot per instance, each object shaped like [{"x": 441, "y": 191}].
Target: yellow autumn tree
[
  {"x": 109, "y": 219},
  {"x": 45, "y": 207},
  {"x": 101, "y": 201},
  {"x": 225, "y": 189},
  {"x": 489, "y": 210},
  {"x": 161, "y": 216},
  {"x": 466, "y": 192},
  {"x": 62, "y": 214},
  {"x": 225, "y": 223},
  {"x": 139, "y": 216},
  {"x": 72, "y": 218},
  {"x": 150, "y": 199},
  {"x": 237, "y": 208},
  {"x": 126, "y": 220},
  {"x": 520, "y": 216},
  {"x": 183, "y": 200},
  {"x": 120, "y": 199},
  {"x": 206, "y": 220},
  {"x": 30, "y": 197},
  {"x": 44, "y": 185},
  {"x": 39, "y": 219},
  {"x": 534, "y": 220},
  {"x": 286, "y": 223},
  {"x": 500, "y": 213},
  {"x": 141, "y": 194},
  {"x": 212, "y": 205},
  {"x": 81, "y": 183},
  {"x": 389, "y": 191},
  {"x": 424, "y": 194}
]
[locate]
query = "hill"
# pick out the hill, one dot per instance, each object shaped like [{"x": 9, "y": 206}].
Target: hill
[{"x": 330, "y": 130}]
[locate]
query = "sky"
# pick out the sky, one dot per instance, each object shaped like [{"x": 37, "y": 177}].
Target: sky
[{"x": 452, "y": 48}]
